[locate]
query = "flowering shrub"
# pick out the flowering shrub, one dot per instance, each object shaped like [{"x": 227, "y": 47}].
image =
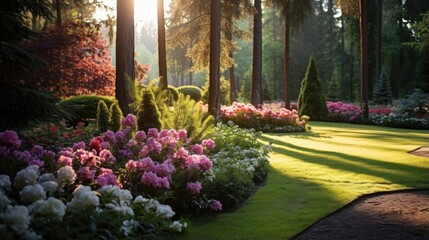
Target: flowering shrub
[
  {"x": 267, "y": 120},
  {"x": 239, "y": 161},
  {"x": 343, "y": 112},
  {"x": 99, "y": 179}
]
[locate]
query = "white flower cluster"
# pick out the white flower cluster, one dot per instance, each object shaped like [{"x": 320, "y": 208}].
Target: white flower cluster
[
  {"x": 52, "y": 208},
  {"x": 65, "y": 175},
  {"x": 83, "y": 199},
  {"x": 154, "y": 205},
  {"x": 248, "y": 159}
]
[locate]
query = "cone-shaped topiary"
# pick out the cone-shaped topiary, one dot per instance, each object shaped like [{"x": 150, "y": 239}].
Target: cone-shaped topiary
[
  {"x": 149, "y": 115},
  {"x": 115, "y": 117},
  {"x": 102, "y": 116},
  {"x": 383, "y": 93},
  {"x": 311, "y": 101}
]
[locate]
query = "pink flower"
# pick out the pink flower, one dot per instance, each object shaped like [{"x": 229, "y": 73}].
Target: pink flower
[
  {"x": 183, "y": 134},
  {"x": 129, "y": 121},
  {"x": 131, "y": 165},
  {"x": 205, "y": 163},
  {"x": 152, "y": 132},
  {"x": 146, "y": 164},
  {"x": 144, "y": 152},
  {"x": 64, "y": 161},
  {"x": 197, "y": 148},
  {"x": 215, "y": 205},
  {"x": 194, "y": 187},
  {"x": 106, "y": 155},
  {"x": 208, "y": 143},
  {"x": 140, "y": 136}
]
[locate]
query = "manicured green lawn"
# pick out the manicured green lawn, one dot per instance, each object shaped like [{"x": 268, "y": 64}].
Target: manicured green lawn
[{"x": 315, "y": 173}]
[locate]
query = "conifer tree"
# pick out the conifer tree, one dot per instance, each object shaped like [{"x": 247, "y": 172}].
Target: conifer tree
[
  {"x": 149, "y": 115},
  {"x": 383, "y": 92},
  {"x": 102, "y": 116},
  {"x": 311, "y": 100},
  {"x": 115, "y": 117}
]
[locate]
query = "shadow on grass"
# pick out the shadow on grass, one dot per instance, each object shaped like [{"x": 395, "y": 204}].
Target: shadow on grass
[
  {"x": 279, "y": 210},
  {"x": 393, "y": 172}
]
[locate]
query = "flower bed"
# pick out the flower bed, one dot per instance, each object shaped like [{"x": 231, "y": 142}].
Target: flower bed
[
  {"x": 263, "y": 119},
  {"x": 122, "y": 184}
]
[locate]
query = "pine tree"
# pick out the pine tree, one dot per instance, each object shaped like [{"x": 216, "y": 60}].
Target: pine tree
[
  {"x": 149, "y": 115},
  {"x": 102, "y": 116},
  {"x": 311, "y": 101},
  {"x": 383, "y": 92},
  {"x": 115, "y": 117}
]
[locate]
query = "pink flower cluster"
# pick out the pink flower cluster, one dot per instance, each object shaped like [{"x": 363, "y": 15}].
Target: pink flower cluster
[
  {"x": 260, "y": 118},
  {"x": 381, "y": 110},
  {"x": 340, "y": 111}
]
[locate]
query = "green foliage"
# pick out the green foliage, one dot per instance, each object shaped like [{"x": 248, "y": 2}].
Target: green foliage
[
  {"x": 311, "y": 101},
  {"x": 149, "y": 115},
  {"x": 193, "y": 91},
  {"x": 383, "y": 92},
  {"x": 23, "y": 105},
  {"x": 232, "y": 185},
  {"x": 333, "y": 91},
  {"x": 421, "y": 29},
  {"x": 246, "y": 87},
  {"x": 102, "y": 116},
  {"x": 187, "y": 114},
  {"x": 115, "y": 116},
  {"x": 224, "y": 92},
  {"x": 86, "y": 106},
  {"x": 414, "y": 105}
]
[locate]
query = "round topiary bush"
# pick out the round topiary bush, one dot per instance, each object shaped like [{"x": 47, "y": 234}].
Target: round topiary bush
[
  {"x": 193, "y": 91},
  {"x": 86, "y": 106}
]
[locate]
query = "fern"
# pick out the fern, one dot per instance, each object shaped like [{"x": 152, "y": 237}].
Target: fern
[{"x": 186, "y": 114}]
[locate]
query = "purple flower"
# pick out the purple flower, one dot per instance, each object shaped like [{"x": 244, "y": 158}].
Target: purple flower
[
  {"x": 129, "y": 121},
  {"x": 140, "y": 135},
  {"x": 86, "y": 174},
  {"x": 37, "y": 150},
  {"x": 10, "y": 138},
  {"x": 78, "y": 145},
  {"x": 152, "y": 132},
  {"x": 109, "y": 136},
  {"x": 36, "y": 161},
  {"x": 215, "y": 205},
  {"x": 151, "y": 179},
  {"x": 165, "y": 169},
  {"x": 146, "y": 164},
  {"x": 194, "y": 187}
]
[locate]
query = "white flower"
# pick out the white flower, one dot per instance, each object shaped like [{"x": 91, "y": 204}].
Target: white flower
[
  {"x": 32, "y": 193},
  {"x": 46, "y": 177},
  {"x": 128, "y": 226},
  {"x": 83, "y": 199},
  {"x": 27, "y": 176},
  {"x": 52, "y": 208},
  {"x": 250, "y": 168},
  {"x": 65, "y": 175},
  {"x": 165, "y": 210},
  {"x": 121, "y": 194},
  {"x": 50, "y": 186},
  {"x": 149, "y": 204},
  {"x": 121, "y": 209},
  {"x": 17, "y": 218},
  {"x": 177, "y": 226},
  {"x": 5, "y": 183},
  {"x": 4, "y": 201}
]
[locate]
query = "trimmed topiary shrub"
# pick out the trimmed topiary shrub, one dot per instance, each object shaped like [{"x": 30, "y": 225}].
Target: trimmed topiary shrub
[
  {"x": 193, "y": 91},
  {"x": 115, "y": 117},
  {"x": 311, "y": 101},
  {"x": 149, "y": 115},
  {"x": 102, "y": 116},
  {"x": 85, "y": 107}
]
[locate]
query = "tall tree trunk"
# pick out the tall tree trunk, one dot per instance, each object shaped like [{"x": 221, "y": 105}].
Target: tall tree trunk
[
  {"x": 58, "y": 10},
  {"x": 257, "y": 55},
  {"x": 378, "y": 28},
  {"x": 232, "y": 90},
  {"x": 214, "y": 78},
  {"x": 162, "y": 55},
  {"x": 343, "y": 60},
  {"x": 352, "y": 72},
  {"x": 286, "y": 86},
  {"x": 124, "y": 53},
  {"x": 364, "y": 57}
]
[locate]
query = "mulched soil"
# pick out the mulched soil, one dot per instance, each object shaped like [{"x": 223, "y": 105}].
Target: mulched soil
[{"x": 392, "y": 215}]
